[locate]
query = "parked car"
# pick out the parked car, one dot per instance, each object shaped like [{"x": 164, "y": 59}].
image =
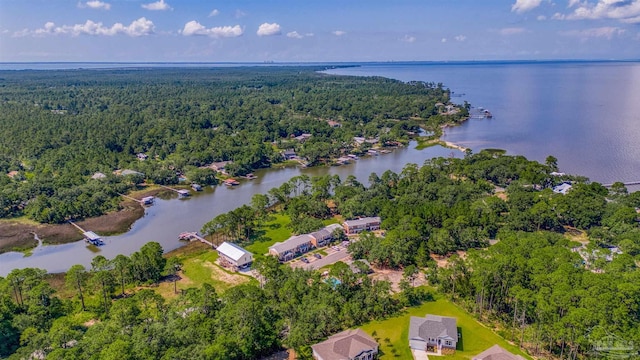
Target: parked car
[
  {"x": 305, "y": 260},
  {"x": 317, "y": 256}
]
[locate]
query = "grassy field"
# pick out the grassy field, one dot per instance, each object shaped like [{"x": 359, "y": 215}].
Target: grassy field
[
  {"x": 274, "y": 231},
  {"x": 200, "y": 268},
  {"x": 393, "y": 334}
]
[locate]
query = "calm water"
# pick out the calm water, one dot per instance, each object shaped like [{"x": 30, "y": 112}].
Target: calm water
[
  {"x": 167, "y": 218},
  {"x": 585, "y": 114}
]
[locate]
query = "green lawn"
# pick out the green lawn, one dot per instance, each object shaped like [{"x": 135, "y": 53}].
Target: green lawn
[
  {"x": 275, "y": 230},
  {"x": 475, "y": 337},
  {"x": 202, "y": 269}
]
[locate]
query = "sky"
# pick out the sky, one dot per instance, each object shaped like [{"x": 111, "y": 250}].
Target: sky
[{"x": 317, "y": 31}]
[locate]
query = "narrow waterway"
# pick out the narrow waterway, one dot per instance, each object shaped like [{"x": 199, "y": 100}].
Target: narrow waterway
[{"x": 167, "y": 218}]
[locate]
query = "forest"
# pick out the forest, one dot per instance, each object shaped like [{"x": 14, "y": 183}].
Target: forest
[
  {"x": 536, "y": 264},
  {"x": 58, "y": 128}
]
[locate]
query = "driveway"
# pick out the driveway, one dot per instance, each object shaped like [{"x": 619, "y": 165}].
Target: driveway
[
  {"x": 315, "y": 264},
  {"x": 419, "y": 354}
]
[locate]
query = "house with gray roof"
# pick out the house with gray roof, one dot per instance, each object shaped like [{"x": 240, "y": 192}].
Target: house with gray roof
[
  {"x": 496, "y": 352},
  {"x": 323, "y": 236},
  {"x": 347, "y": 345},
  {"x": 360, "y": 225},
  {"x": 433, "y": 334},
  {"x": 292, "y": 247}
]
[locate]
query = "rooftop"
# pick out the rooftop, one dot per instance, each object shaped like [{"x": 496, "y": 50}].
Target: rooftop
[
  {"x": 291, "y": 243},
  {"x": 232, "y": 251},
  {"x": 433, "y": 327},
  {"x": 345, "y": 345},
  {"x": 362, "y": 221},
  {"x": 497, "y": 353}
]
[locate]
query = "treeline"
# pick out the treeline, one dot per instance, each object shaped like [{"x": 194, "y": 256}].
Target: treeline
[
  {"x": 57, "y": 128},
  {"x": 555, "y": 301},
  {"x": 292, "y": 308}
]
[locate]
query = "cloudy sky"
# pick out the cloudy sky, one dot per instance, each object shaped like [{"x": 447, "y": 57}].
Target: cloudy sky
[{"x": 310, "y": 30}]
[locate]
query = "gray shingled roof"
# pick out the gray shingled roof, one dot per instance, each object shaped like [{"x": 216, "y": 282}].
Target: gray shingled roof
[
  {"x": 326, "y": 231},
  {"x": 497, "y": 353},
  {"x": 291, "y": 243},
  {"x": 345, "y": 345},
  {"x": 363, "y": 221},
  {"x": 433, "y": 326}
]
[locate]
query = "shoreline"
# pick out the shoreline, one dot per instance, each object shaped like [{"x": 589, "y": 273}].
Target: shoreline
[{"x": 20, "y": 231}]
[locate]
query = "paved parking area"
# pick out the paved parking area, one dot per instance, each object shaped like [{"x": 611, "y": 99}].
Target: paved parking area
[{"x": 334, "y": 254}]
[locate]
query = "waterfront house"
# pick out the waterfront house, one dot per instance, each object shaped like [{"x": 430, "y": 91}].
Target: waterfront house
[
  {"x": 497, "y": 353},
  {"x": 323, "y": 236},
  {"x": 292, "y": 247},
  {"x": 433, "y": 334},
  {"x": 233, "y": 256},
  {"x": 220, "y": 166},
  {"x": 360, "y": 225},
  {"x": 231, "y": 182},
  {"x": 347, "y": 345},
  {"x": 562, "y": 188},
  {"x": 289, "y": 154}
]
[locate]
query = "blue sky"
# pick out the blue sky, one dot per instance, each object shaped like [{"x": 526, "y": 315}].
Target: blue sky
[{"x": 309, "y": 31}]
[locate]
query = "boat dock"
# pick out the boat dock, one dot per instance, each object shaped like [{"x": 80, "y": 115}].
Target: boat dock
[
  {"x": 181, "y": 192},
  {"x": 193, "y": 236},
  {"x": 89, "y": 236},
  {"x": 147, "y": 200},
  {"x": 629, "y": 183}
]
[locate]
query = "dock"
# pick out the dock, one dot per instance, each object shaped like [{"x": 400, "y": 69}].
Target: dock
[
  {"x": 147, "y": 200},
  {"x": 629, "y": 183},
  {"x": 181, "y": 192},
  {"x": 89, "y": 236},
  {"x": 193, "y": 236}
]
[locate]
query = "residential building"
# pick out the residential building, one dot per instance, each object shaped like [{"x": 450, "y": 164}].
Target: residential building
[
  {"x": 220, "y": 166},
  {"x": 497, "y": 353},
  {"x": 323, "y": 236},
  {"x": 360, "y": 225},
  {"x": 303, "y": 137},
  {"x": 433, "y": 334},
  {"x": 232, "y": 255},
  {"x": 142, "y": 156},
  {"x": 292, "y": 247},
  {"x": 347, "y": 345},
  {"x": 562, "y": 188},
  {"x": 98, "y": 175},
  {"x": 289, "y": 154}
]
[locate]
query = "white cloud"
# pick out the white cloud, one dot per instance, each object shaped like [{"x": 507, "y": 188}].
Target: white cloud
[
  {"x": 294, "y": 35},
  {"x": 606, "y": 32},
  {"x": 541, "y": 18},
  {"x": 95, "y": 4},
  {"x": 158, "y": 5},
  {"x": 627, "y": 11},
  {"x": 214, "y": 12},
  {"x": 339, "y": 33},
  {"x": 511, "y": 31},
  {"x": 557, "y": 16},
  {"x": 195, "y": 28},
  {"x": 139, "y": 27},
  {"x": 239, "y": 13},
  {"x": 267, "y": 29},
  {"x": 408, "y": 39},
  {"x": 525, "y": 5},
  {"x": 460, "y": 38},
  {"x": 443, "y": 40},
  {"x": 309, "y": 34}
]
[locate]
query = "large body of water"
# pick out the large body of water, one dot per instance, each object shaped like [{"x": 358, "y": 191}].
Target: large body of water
[{"x": 585, "y": 114}]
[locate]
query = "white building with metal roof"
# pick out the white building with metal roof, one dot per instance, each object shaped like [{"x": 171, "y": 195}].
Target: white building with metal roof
[{"x": 234, "y": 256}]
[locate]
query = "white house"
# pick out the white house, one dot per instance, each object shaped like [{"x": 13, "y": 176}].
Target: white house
[
  {"x": 562, "y": 188},
  {"x": 232, "y": 255}
]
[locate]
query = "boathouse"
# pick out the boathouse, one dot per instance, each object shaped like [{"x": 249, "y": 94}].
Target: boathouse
[
  {"x": 92, "y": 238},
  {"x": 183, "y": 193}
]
